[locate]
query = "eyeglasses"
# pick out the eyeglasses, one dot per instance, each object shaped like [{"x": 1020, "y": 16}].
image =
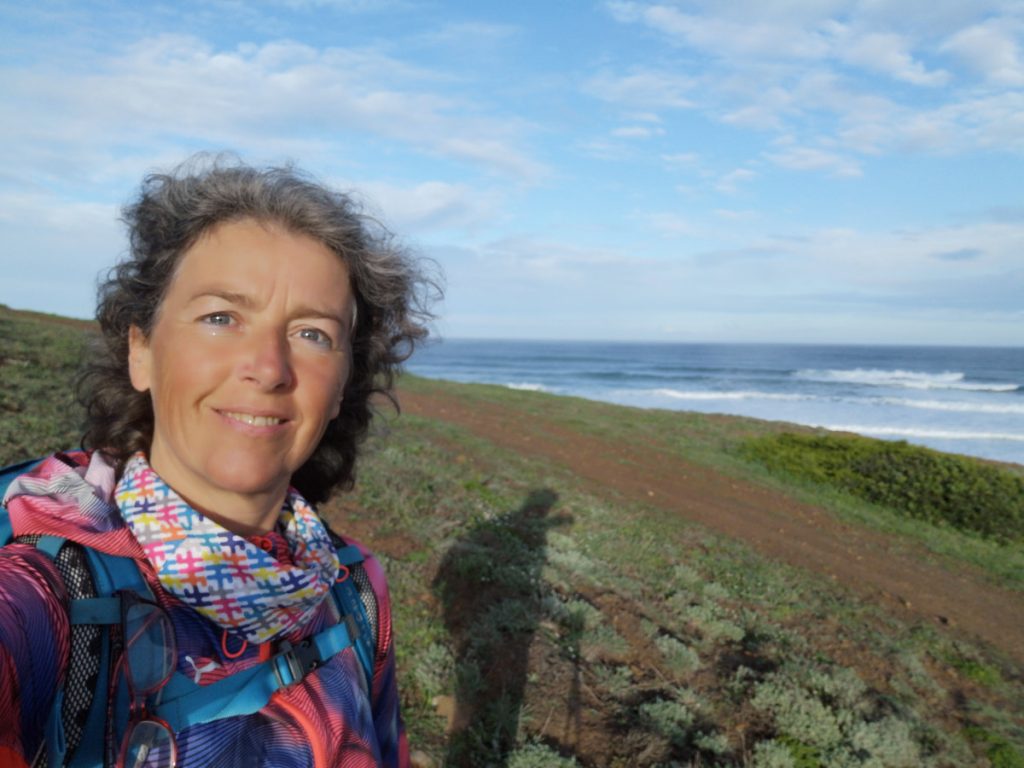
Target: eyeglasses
[{"x": 149, "y": 658}]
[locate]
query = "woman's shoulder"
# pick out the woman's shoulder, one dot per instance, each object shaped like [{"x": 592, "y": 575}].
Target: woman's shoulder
[{"x": 69, "y": 495}]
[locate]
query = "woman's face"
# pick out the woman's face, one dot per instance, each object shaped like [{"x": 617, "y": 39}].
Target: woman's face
[{"x": 246, "y": 364}]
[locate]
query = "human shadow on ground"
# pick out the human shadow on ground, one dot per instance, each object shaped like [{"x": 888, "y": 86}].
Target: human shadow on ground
[{"x": 489, "y": 584}]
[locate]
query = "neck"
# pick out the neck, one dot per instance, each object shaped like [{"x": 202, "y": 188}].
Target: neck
[
  {"x": 256, "y": 521},
  {"x": 253, "y": 512}
]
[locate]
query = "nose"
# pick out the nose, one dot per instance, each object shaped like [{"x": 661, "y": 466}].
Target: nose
[{"x": 267, "y": 360}]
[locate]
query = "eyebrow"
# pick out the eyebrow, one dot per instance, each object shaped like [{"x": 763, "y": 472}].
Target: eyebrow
[
  {"x": 305, "y": 310},
  {"x": 229, "y": 296}
]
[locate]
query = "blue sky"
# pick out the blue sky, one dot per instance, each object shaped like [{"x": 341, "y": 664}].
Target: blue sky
[{"x": 801, "y": 171}]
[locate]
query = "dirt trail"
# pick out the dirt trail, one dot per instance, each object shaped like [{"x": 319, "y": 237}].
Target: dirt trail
[{"x": 864, "y": 561}]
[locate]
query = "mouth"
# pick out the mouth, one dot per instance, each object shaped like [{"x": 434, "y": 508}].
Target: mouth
[{"x": 252, "y": 420}]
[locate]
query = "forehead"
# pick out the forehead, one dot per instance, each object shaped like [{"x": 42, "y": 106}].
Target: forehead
[{"x": 252, "y": 257}]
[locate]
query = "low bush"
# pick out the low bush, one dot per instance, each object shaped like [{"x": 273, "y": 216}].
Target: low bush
[{"x": 940, "y": 488}]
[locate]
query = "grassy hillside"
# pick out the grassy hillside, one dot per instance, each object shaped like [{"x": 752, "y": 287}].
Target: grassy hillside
[
  {"x": 39, "y": 355},
  {"x": 546, "y": 622}
]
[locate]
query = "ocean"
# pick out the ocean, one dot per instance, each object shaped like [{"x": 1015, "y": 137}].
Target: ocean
[{"x": 966, "y": 400}]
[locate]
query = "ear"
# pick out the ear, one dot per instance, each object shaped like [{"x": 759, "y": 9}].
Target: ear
[
  {"x": 336, "y": 410},
  {"x": 139, "y": 359}
]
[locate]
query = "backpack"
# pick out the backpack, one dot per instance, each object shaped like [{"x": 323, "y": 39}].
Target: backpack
[{"x": 75, "y": 730}]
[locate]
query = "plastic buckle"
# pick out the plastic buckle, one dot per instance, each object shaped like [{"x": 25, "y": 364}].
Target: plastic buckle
[{"x": 295, "y": 662}]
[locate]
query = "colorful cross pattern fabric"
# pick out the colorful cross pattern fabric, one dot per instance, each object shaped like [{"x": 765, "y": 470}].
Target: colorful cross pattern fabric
[{"x": 220, "y": 574}]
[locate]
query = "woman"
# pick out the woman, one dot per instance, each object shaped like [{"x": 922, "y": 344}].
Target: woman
[{"x": 243, "y": 339}]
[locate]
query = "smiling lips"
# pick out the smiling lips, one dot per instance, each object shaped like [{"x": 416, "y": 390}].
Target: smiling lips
[{"x": 253, "y": 421}]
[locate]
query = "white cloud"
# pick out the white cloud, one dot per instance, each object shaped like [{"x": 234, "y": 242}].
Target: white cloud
[
  {"x": 895, "y": 261},
  {"x": 644, "y": 117},
  {"x": 521, "y": 273},
  {"x": 763, "y": 111},
  {"x": 727, "y": 36},
  {"x": 250, "y": 96},
  {"x": 811, "y": 159},
  {"x": 644, "y": 88},
  {"x": 636, "y": 132},
  {"x": 889, "y": 53},
  {"x": 833, "y": 72},
  {"x": 430, "y": 205},
  {"x": 853, "y": 285},
  {"x": 991, "y": 50},
  {"x": 669, "y": 224},
  {"x": 730, "y": 182},
  {"x": 352, "y": 6},
  {"x": 470, "y": 34},
  {"x": 733, "y": 215},
  {"x": 682, "y": 160}
]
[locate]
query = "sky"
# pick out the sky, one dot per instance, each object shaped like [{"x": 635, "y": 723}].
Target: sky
[{"x": 809, "y": 171}]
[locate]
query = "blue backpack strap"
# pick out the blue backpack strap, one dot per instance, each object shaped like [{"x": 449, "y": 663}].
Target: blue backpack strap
[
  {"x": 53, "y": 730},
  {"x": 110, "y": 574},
  {"x": 350, "y": 605},
  {"x": 350, "y": 554},
  {"x": 185, "y": 703}
]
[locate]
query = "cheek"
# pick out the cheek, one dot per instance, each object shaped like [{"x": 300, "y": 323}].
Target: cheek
[
  {"x": 180, "y": 376},
  {"x": 328, "y": 385}
]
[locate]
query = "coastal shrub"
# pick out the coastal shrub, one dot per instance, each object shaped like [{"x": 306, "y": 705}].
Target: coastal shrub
[
  {"x": 1000, "y": 752},
  {"x": 798, "y": 715},
  {"x": 671, "y": 719},
  {"x": 712, "y": 621},
  {"x": 537, "y": 755},
  {"x": 680, "y": 658},
  {"x": 603, "y": 642},
  {"x": 827, "y": 716},
  {"x": 775, "y": 754},
  {"x": 616, "y": 680},
  {"x": 940, "y": 488}
]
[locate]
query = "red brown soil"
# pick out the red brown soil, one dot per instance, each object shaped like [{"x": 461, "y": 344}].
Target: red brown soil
[{"x": 901, "y": 577}]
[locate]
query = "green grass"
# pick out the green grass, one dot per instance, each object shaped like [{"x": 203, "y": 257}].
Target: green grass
[
  {"x": 578, "y": 629},
  {"x": 941, "y": 489},
  {"x": 39, "y": 357}
]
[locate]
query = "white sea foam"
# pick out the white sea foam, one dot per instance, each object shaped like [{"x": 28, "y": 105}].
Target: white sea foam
[
  {"x": 955, "y": 406},
  {"x": 682, "y": 394},
  {"x": 915, "y": 432},
  {"x": 876, "y": 377},
  {"x": 527, "y": 386}
]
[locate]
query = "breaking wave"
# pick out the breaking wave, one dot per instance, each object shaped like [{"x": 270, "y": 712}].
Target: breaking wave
[
  {"x": 681, "y": 394},
  {"x": 527, "y": 386},
  {"x": 875, "y": 377},
  {"x": 954, "y": 406},
  {"x": 913, "y": 432}
]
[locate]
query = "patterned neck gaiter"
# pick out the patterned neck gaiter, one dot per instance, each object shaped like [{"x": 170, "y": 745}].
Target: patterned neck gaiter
[{"x": 218, "y": 573}]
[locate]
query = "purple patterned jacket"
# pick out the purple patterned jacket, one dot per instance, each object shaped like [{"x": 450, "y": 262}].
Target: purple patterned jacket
[{"x": 325, "y": 721}]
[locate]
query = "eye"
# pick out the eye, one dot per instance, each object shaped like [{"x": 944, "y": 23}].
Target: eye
[
  {"x": 316, "y": 336},
  {"x": 217, "y": 319}
]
